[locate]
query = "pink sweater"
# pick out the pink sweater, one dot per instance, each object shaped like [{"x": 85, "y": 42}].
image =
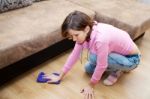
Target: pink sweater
[{"x": 104, "y": 39}]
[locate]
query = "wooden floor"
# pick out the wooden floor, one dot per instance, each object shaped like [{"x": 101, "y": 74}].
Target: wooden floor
[{"x": 133, "y": 85}]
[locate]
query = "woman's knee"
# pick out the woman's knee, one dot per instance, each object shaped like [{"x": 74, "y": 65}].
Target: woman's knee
[{"x": 89, "y": 68}]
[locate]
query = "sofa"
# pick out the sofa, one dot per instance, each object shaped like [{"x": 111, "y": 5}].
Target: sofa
[
  {"x": 32, "y": 33},
  {"x": 29, "y": 30}
]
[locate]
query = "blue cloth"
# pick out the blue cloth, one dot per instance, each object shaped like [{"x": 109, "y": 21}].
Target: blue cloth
[
  {"x": 41, "y": 79},
  {"x": 115, "y": 62}
]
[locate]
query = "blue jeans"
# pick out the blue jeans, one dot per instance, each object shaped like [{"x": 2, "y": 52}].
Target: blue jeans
[{"x": 115, "y": 62}]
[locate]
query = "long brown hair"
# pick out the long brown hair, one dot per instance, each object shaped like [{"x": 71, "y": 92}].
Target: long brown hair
[{"x": 76, "y": 20}]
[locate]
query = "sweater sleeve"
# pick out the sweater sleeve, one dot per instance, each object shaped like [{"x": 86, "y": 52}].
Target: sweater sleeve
[
  {"x": 73, "y": 57},
  {"x": 102, "y": 57}
]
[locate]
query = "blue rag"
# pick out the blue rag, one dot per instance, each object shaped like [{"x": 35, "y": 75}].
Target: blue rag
[{"x": 41, "y": 78}]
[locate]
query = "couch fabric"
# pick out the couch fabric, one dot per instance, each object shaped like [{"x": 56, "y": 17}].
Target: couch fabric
[{"x": 28, "y": 30}]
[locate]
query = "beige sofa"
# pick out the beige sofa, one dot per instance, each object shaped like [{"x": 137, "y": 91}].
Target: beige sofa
[
  {"x": 27, "y": 31},
  {"x": 31, "y": 29},
  {"x": 31, "y": 35}
]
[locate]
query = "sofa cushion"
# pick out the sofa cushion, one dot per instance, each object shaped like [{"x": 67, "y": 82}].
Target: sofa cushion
[
  {"x": 13, "y": 4},
  {"x": 129, "y": 15},
  {"x": 31, "y": 29}
]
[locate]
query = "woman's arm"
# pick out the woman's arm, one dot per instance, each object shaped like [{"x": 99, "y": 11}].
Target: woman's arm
[
  {"x": 68, "y": 65},
  {"x": 102, "y": 61},
  {"x": 73, "y": 57}
]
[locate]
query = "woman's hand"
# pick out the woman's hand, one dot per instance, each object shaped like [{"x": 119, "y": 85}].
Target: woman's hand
[
  {"x": 55, "y": 78},
  {"x": 88, "y": 92}
]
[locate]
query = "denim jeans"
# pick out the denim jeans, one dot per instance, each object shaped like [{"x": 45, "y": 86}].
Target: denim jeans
[{"x": 115, "y": 62}]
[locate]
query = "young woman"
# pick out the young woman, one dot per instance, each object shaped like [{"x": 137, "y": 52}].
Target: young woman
[{"x": 110, "y": 49}]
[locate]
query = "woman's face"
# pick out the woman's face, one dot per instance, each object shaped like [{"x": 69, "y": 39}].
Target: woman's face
[{"x": 78, "y": 36}]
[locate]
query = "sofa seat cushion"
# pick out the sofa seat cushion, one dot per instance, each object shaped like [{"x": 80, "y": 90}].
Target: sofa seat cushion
[
  {"x": 28, "y": 30},
  {"x": 129, "y": 15}
]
